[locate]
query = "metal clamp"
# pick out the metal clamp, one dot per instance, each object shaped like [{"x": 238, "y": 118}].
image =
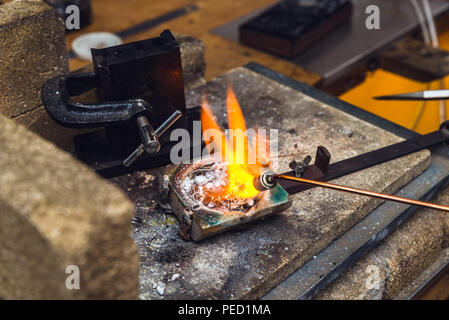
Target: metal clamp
[
  {"x": 150, "y": 137},
  {"x": 56, "y": 97}
]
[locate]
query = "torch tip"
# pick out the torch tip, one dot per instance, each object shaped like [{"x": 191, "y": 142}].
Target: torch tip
[{"x": 265, "y": 181}]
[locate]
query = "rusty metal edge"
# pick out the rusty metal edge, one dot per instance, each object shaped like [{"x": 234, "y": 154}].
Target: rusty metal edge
[{"x": 329, "y": 264}]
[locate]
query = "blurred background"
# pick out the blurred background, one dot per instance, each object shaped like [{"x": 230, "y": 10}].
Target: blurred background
[{"x": 215, "y": 23}]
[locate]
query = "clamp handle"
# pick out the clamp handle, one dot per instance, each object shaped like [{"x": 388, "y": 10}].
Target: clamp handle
[
  {"x": 56, "y": 97},
  {"x": 150, "y": 137}
]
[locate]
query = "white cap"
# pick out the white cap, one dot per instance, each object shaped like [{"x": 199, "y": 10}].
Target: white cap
[{"x": 81, "y": 46}]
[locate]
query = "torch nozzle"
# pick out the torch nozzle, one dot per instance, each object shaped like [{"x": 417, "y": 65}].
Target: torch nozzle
[{"x": 265, "y": 181}]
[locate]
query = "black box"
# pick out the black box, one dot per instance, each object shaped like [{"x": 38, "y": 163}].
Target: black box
[{"x": 291, "y": 26}]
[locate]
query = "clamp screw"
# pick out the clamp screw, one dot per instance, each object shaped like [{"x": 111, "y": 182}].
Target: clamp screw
[
  {"x": 150, "y": 138},
  {"x": 299, "y": 167}
]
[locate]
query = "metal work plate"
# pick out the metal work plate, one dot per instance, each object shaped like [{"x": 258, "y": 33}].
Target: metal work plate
[{"x": 352, "y": 43}]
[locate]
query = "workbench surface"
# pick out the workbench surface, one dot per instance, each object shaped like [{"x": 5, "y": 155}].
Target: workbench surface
[{"x": 247, "y": 264}]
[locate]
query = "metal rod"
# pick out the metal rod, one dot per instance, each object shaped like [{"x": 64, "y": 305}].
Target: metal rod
[
  {"x": 426, "y": 95},
  {"x": 366, "y": 193},
  {"x": 134, "y": 156},
  {"x": 167, "y": 124},
  {"x": 149, "y": 138}
]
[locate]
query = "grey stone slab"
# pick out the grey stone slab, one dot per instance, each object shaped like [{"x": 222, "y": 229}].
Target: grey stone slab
[
  {"x": 413, "y": 289},
  {"x": 248, "y": 263}
]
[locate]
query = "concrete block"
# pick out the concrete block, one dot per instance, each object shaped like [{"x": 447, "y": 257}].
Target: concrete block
[
  {"x": 55, "y": 212},
  {"x": 193, "y": 62},
  {"x": 32, "y": 50}
]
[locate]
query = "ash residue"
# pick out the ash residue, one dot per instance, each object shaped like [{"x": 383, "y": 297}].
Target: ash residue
[{"x": 207, "y": 185}]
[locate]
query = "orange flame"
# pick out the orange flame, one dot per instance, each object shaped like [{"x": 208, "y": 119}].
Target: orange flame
[{"x": 234, "y": 150}]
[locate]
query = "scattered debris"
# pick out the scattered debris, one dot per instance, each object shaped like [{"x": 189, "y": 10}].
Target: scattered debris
[{"x": 160, "y": 288}]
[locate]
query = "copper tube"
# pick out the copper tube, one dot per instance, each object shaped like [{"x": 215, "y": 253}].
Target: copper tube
[{"x": 366, "y": 193}]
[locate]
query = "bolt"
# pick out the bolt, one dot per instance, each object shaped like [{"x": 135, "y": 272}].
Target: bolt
[
  {"x": 298, "y": 171},
  {"x": 292, "y": 164},
  {"x": 307, "y": 160},
  {"x": 299, "y": 167}
]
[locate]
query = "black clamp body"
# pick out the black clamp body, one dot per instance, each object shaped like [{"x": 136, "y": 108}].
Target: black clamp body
[{"x": 140, "y": 87}]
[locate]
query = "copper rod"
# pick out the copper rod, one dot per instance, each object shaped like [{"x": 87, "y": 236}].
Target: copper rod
[{"x": 365, "y": 193}]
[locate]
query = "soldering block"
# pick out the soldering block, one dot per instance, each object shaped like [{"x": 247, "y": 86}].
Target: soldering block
[
  {"x": 56, "y": 215},
  {"x": 32, "y": 50}
]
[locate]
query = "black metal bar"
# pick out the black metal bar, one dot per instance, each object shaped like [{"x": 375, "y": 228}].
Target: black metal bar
[
  {"x": 368, "y": 159},
  {"x": 414, "y": 143}
]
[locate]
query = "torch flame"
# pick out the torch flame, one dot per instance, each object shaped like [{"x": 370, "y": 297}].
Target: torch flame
[{"x": 234, "y": 150}]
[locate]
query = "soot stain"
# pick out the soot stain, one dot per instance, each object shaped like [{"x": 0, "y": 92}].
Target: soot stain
[{"x": 173, "y": 255}]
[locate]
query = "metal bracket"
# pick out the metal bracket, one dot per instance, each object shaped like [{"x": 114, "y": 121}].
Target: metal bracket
[{"x": 325, "y": 172}]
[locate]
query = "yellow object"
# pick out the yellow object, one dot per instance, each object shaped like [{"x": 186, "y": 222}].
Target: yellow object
[{"x": 404, "y": 113}]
